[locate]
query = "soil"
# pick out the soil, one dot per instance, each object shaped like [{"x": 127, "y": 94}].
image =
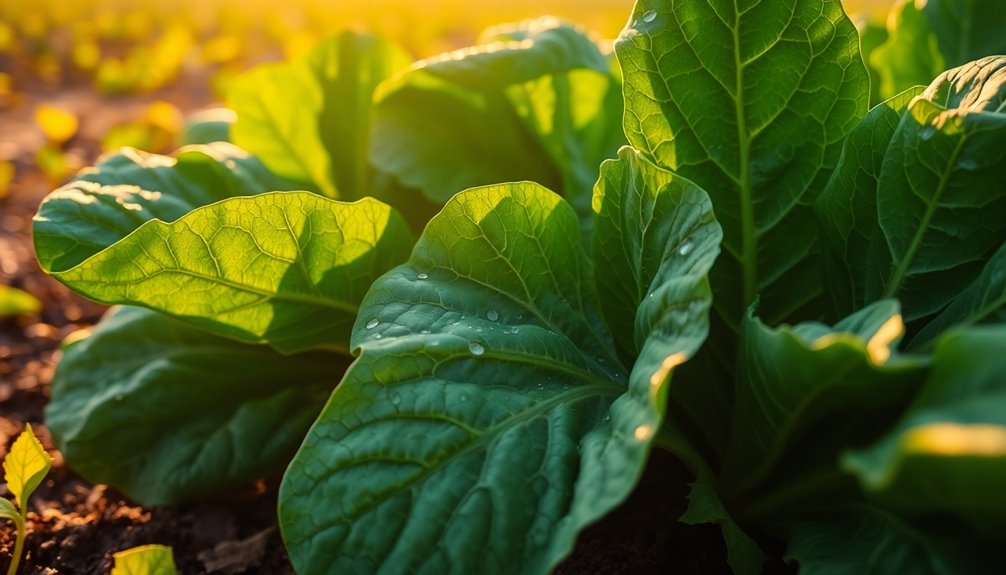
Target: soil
[{"x": 74, "y": 526}]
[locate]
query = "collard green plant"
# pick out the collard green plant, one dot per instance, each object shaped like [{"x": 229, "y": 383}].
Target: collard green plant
[{"x": 512, "y": 369}]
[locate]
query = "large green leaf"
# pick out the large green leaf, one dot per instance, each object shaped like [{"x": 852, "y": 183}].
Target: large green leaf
[
  {"x": 704, "y": 506},
  {"x": 106, "y": 203},
  {"x": 911, "y": 55},
  {"x": 534, "y": 101},
  {"x": 751, "y": 101},
  {"x": 488, "y": 418},
  {"x": 984, "y": 301},
  {"x": 940, "y": 197},
  {"x": 948, "y": 452},
  {"x": 805, "y": 393},
  {"x": 165, "y": 412},
  {"x": 967, "y": 29},
  {"x": 309, "y": 120},
  {"x": 863, "y": 539},
  {"x": 284, "y": 268},
  {"x": 847, "y": 207}
]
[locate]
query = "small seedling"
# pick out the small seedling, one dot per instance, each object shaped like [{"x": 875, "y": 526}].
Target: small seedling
[{"x": 24, "y": 468}]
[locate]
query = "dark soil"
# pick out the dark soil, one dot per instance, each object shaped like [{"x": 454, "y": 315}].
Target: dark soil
[{"x": 74, "y": 526}]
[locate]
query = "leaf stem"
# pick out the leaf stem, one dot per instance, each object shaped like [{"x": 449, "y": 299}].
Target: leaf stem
[
  {"x": 15, "y": 559},
  {"x": 672, "y": 441}
]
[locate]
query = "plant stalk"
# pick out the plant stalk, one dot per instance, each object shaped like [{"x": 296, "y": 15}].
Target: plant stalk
[{"x": 15, "y": 559}]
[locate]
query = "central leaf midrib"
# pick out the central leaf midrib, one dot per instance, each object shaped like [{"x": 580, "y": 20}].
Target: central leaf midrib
[{"x": 749, "y": 238}]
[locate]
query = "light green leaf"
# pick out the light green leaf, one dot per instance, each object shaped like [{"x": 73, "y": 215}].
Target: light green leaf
[
  {"x": 16, "y": 302},
  {"x": 535, "y": 101},
  {"x": 847, "y": 207},
  {"x": 863, "y": 539},
  {"x": 106, "y": 203},
  {"x": 812, "y": 385},
  {"x": 948, "y": 452},
  {"x": 310, "y": 119},
  {"x": 984, "y": 301},
  {"x": 751, "y": 102},
  {"x": 145, "y": 560},
  {"x": 165, "y": 412},
  {"x": 911, "y": 55},
  {"x": 285, "y": 268},
  {"x": 704, "y": 506},
  {"x": 967, "y": 29},
  {"x": 25, "y": 466},
  {"x": 941, "y": 195},
  {"x": 488, "y": 418}
]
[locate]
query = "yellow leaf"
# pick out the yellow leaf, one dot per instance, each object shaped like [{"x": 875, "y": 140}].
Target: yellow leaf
[
  {"x": 57, "y": 124},
  {"x": 144, "y": 560},
  {"x": 16, "y": 302},
  {"x": 25, "y": 466},
  {"x": 6, "y": 177}
]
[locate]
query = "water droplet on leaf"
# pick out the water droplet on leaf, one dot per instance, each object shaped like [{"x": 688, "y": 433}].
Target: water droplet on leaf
[
  {"x": 422, "y": 276},
  {"x": 927, "y": 133},
  {"x": 395, "y": 398},
  {"x": 649, "y": 16},
  {"x": 476, "y": 348},
  {"x": 373, "y": 323},
  {"x": 686, "y": 248},
  {"x": 492, "y": 315}
]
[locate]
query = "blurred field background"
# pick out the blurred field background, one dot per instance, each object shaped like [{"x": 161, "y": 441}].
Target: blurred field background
[{"x": 78, "y": 77}]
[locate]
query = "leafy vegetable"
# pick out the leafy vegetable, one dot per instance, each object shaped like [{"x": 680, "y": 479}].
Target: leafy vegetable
[
  {"x": 234, "y": 411},
  {"x": 25, "y": 466},
  {"x": 535, "y": 101},
  {"x": 309, "y": 120},
  {"x": 145, "y": 560},
  {"x": 488, "y": 418}
]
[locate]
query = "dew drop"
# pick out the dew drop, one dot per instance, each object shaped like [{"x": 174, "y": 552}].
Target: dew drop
[
  {"x": 686, "y": 248},
  {"x": 927, "y": 133},
  {"x": 476, "y": 348},
  {"x": 492, "y": 315},
  {"x": 514, "y": 330},
  {"x": 424, "y": 331},
  {"x": 373, "y": 323},
  {"x": 378, "y": 336},
  {"x": 395, "y": 398},
  {"x": 422, "y": 276},
  {"x": 649, "y": 16}
]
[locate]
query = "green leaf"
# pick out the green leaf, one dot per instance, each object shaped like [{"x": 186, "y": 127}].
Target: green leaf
[
  {"x": 910, "y": 56},
  {"x": 967, "y": 29},
  {"x": 165, "y": 412},
  {"x": 106, "y": 203},
  {"x": 208, "y": 126},
  {"x": 812, "y": 385},
  {"x": 704, "y": 506},
  {"x": 145, "y": 560},
  {"x": 16, "y": 302},
  {"x": 7, "y": 510},
  {"x": 847, "y": 207},
  {"x": 939, "y": 195},
  {"x": 984, "y": 301},
  {"x": 535, "y": 101},
  {"x": 752, "y": 103},
  {"x": 310, "y": 119},
  {"x": 948, "y": 452},
  {"x": 862, "y": 539},
  {"x": 284, "y": 268},
  {"x": 488, "y": 418},
  {"x": 25, "y": 466}
]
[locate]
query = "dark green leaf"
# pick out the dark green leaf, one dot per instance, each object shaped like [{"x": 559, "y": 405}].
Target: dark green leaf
[
  {"x": 284, "y": 268},
  {"x": 967, "y": 29},
  {"x": 165, "y": 412},
  {"x": 752, "y": 103},
  {"x": 910, "y": 56},
  {"x": 814, "y": 387},
  {"x": 704, "y": 506},
  {"x": 309, "y": 120},
  {"x": 948, "y": 452},
  {"x": 488, "y": 418}
]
